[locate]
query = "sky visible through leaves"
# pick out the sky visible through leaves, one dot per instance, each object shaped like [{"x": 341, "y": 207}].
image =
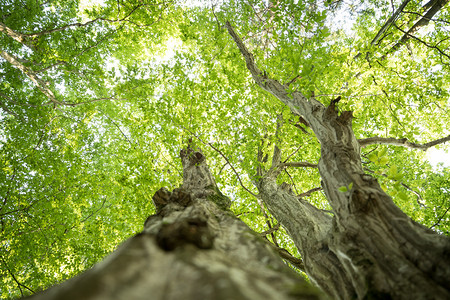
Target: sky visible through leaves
[{"x": 97, "y": 98}]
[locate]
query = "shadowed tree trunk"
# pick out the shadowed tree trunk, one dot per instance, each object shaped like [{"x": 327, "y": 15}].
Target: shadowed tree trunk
[
  {"x": 193, "y": 248},
  {"x": 383, "y": 253}
]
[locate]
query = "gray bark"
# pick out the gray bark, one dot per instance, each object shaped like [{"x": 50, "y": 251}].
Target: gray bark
[
  {"x": 193, "y": 248},
  {"x": 309, "y": 228},
  {"x": 383, "y": 252}
]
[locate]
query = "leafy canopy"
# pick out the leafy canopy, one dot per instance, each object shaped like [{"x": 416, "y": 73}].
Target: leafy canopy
[{"x": 133, "y": 81}]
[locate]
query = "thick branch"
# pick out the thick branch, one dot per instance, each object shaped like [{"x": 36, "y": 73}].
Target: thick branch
[
  {"x": 401, "y": 142},
  {"x": 299, "y": 164},
  {"x": 308, "y": 193},
  {"x": 32, "y": 75},
  {"x": 390, "y": 21},
  {"x": 419, "y": 24},
  {"x": 296, "y": 262},
  {"x": 276, "y": 159},
  {"x": 17, "y": 36}
]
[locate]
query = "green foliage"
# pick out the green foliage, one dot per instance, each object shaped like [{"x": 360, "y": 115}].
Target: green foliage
[{"x": 136, "y": 79}]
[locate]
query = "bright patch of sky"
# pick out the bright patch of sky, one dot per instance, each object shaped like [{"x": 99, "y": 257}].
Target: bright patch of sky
[
  {"x": 438, "y": 156},
  {"x": 88, "y": 4}
]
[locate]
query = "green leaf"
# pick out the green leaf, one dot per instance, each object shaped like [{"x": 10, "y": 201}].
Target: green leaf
[
  {"x": 373, "y": 157},
  {"x": 383, "y": 160},
  {"x": 343, "y": 189},
  {"x": 382, "y": 152},
  {"x": 393, "y": 171},
  {"x": 402, "y": 195}
]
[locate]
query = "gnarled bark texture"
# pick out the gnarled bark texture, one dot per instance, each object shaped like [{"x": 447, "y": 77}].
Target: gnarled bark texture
[
  {"x": 383, "y": 253},
  {"x": 193, "y": 248},
  {"x": 309, "y": 228}
]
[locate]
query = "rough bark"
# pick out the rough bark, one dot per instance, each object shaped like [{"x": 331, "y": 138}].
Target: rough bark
[
  {"x": 309, "y": 227},
  {"x": 193, "y": 248},
  {"x": 383, "y": 252}
]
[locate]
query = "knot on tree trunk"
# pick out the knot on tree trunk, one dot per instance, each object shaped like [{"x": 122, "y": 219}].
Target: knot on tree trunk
[
  {"x": 179, "y": 196},
  {"x": 193, "y": 231}
]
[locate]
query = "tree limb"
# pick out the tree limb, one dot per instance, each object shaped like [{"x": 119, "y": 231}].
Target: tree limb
[
  {"x": 419, "y": 24},
  {"x": 308, "y": 193},
  {"x": 40, "y": 84},
  {"x": 299, "y": 164},
  {"x": 17, "y": 36},
  {"x": 296, "y": 262},
  {"x": 276, "y": 158},
  {"x": 428, "y": 45},
  {"x": 401, "y": 142},
  {"x": 31, "y": 74},
  {"x": 271, "y": 230},
  {"x": 389, "y": 22}
]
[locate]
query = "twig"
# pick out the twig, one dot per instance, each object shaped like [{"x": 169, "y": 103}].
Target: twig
[
  {"x": 118, "y": 127},
  {"x": 290, "y": 155},
  {"x": 20, "y": 285},
  {"x": 419, "y": 197},
  {"x": 437, "y": 223},
  {"x": 292, "y": 181}
]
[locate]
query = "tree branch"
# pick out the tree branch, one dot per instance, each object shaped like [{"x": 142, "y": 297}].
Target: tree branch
[
  {"x": 426, "y": 44},
  {"x": 31, "y": 74},
  {"x": 17, "y": 36},
  {"x": 299, "y": 164},
  {"x": 271, "y": 230},
  {"x": 437, "y": 223},
  {"x": 389, "y": 22},
  {"x": 40, "y": 84},
  {"x": 308, "y": 193},
  {"x": 276, "y": 158},
  {"x": 296, "y": 262},
  {"x": 419, "y": 199},
  {"x": 118, "y": 127},
  {"x": 419, "y": 24},
  {"x": 23, "y": 36},
  {"x": 6, "y": 109},
  {"x": 20, "y": 285},
  {"x": 401, "y": 142}
]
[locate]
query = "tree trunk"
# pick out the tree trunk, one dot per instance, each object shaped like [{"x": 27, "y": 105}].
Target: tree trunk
[
  {"x": 193, "y": 248},
  {"x": 309, "y": 228},
  {"x": 383, "y": 252}
]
